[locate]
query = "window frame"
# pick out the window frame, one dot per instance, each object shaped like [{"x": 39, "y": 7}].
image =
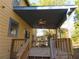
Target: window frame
[
  {"x": 16, "y": 2},
  {"x": 10, "y": 27}
]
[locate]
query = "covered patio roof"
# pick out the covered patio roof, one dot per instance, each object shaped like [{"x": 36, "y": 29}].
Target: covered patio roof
[{"x": 50, "y": 17}]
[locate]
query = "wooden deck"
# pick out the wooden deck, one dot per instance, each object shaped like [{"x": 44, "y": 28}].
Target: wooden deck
[{"x": 45, "y": 52}]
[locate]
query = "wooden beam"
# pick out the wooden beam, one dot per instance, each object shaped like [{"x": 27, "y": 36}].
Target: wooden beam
[{"x": 60, "y": 32}]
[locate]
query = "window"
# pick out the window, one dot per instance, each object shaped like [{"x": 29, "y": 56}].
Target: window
[
  {"x": 16, "y": 2},
  {"x": 27, "y": 34},
  {"x": 13, "y": 28}
]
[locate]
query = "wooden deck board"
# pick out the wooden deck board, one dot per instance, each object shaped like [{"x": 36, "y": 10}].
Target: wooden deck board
[{"x": 45, "y": 52}]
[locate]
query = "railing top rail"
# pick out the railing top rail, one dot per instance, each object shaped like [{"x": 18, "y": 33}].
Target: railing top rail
[{"x": 17, "y": 39}]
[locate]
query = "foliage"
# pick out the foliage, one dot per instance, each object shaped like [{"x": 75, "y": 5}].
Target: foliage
[
  {"x": 64, "y": 32},
  {"x": 49, "y": 2},
  {"x": 77, "y": 9},
  {"x": 51, "y": 32},
  {"x": 75, "y": 35},
  {"x": 48, "y": 32}
]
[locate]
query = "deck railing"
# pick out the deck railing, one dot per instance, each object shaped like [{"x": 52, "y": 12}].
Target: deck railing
[
  {"x": 64, "y": 47},
  {"x": 19, "y": 49},
  {"x": 16, "y": 45},
  {"x": 61, "y": 48},
  {"x": 23, "y": 51}
]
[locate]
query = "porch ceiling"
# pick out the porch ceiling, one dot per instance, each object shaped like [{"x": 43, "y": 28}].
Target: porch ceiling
[{"x": 51, "y": 16}]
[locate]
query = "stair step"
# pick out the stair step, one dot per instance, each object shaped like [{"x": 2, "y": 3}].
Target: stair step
[{"x": 38, "y": 57}]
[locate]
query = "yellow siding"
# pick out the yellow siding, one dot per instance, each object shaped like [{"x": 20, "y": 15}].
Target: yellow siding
[
  {"x": 22, "y": 3},
  {"x": 5, "y": 41}
]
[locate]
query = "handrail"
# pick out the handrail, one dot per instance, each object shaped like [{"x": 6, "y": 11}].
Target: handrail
[
  {"x": 15, "y": 46},
  {"x": 23, "y": 49}
]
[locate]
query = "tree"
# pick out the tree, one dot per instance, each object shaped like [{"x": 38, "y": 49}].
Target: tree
[
  {"x": 75, "y": 35},
  {"x": 49, "y": 2},
  {"x": 48, "y": 32},
  {"x": 64, "y": 32},
  {"x": 77, "y": 9},
  {"x": 51, "y": 32}
]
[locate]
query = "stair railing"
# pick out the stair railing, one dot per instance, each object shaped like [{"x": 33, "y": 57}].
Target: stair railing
[{"x": 23, "y": 52}]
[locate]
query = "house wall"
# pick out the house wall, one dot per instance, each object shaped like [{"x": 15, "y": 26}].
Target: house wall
[
  {"x": 6, "y": 12},
  {"x": 22, "y": 3}
]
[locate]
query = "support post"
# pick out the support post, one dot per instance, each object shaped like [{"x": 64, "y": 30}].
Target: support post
[
  {"x": 56, "y": 35},
  {"x": 60, "y": 32}
]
